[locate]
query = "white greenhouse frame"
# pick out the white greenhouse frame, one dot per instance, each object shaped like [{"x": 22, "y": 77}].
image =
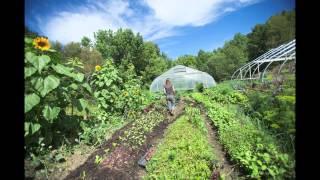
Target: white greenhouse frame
[{"x": 285, "y": 52}]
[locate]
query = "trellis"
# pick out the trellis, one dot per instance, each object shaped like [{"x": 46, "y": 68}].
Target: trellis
[{"x": 255, "y": 70}]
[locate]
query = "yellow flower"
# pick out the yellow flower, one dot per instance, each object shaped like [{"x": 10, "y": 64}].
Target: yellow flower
[
  {"x": 41, "y": 43},
  {"x": 98, "y": 68}
]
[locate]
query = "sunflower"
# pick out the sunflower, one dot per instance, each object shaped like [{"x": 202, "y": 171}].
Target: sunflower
[
  {"x": 41, "y": 43},
  {"x": 98, "y": 68}
]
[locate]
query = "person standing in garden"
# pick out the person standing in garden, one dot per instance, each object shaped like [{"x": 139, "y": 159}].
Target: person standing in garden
[{"x": 170, "y": 92}]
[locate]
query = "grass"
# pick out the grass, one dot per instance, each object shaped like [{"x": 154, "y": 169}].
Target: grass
[{"x": 184, "y": 153}]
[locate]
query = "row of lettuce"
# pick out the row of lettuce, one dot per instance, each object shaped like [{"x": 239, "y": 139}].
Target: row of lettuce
[
  {"x": 64, "y": 106},
  {"x": 184, "y": 152},
  {"x": 253, "y": 141}
]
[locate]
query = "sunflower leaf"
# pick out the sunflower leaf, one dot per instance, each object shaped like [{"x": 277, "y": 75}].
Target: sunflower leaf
[
  {"x": 30, "y": 101},
  {"x": 52, "y": 50},
  {"x": 68, "y": 72},
  {"x": 81, "y": 104},
  {"x": 28, "y": 40},
  {"x": 50, "y": 113},
  {"x": 47, "y": 85},
  {"x": 87, "y": 87},
  {"x": 30, "y": 57},
  {"x": 38, "y": 62},
  {"x": 29, "y": 71},
  {"x": 34, "y": 127}
]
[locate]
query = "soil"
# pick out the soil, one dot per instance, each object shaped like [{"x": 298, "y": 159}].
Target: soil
[
  {"x": 121, "y": 161},
  {"x": 224, "y": 166},
  {"x": 72, "y": 162}
]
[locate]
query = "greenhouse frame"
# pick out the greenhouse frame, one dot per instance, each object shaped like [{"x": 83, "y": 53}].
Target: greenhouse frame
[
  {"x": 182, "y": 78},
  {"x": 253, "y": 70}
]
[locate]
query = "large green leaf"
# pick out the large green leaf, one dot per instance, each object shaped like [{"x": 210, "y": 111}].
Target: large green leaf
[
  {"x": 87, "y": 86},
  {"x": 34, "y": 127},
  {"x": 30, "y": 101},
  {"x": 50, "y": 113},
  {"x": 81, "y": 104},
  {"x": 74, "y": 86},
  {"x": 30, "y": 57},
  {"x": 48, "y": 84},
  {"x": 29, "y": 71},
  {"x": 61, "y": 69},
  {"x": 78, "y": 77},
  {"x": 38, "y": 62}
]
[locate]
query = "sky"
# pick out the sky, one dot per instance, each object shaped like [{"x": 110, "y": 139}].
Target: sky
[{"x": 179, "y": 27}]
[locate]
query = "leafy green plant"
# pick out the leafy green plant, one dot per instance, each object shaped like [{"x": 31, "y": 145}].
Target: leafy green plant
[
  {"x": 113, "y": 93},
  {"x": 199, "y": 87},
  {"x": 136, "y": 135},
  {"x": 182, "y": 154},
  {"x": 98, "y": 159},
  {"x": 99, "y": 129},
  {"x": 75, "y": 62},
  {"x": 254, "y": 149},
  {"x": 49, "y": 88},
  {"x": 194, "y": 116}
]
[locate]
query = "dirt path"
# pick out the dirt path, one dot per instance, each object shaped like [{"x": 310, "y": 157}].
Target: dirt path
[
  {"x": 224, "y": 165},
  {"x": 120, "y": 162},
  {"x": 226, "y": 168}
]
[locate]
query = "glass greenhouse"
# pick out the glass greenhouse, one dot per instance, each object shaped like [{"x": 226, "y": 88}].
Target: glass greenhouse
[{"x": 183, "y": 78}]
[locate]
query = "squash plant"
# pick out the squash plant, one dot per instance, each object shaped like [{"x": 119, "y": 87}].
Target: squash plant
[{"x": 49, "y": 88}]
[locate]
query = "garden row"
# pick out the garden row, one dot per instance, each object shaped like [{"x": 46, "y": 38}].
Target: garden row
[
  {"x": 184, "y": 151},
  {"x": 254, "y": 148}
]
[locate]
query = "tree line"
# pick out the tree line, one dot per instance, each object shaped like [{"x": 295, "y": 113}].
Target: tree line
[{"x": 125, "y": 47}]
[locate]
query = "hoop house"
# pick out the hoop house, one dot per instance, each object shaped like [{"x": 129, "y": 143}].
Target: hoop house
[
  {"x": 183, "y": 78},
  {"x": 255, "y": 70}
]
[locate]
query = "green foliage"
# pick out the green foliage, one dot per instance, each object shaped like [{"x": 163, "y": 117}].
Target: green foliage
[
  {"x": 194, "y": 116},
  {"x": 50, "y": 87},
  {"x": 275, "y": 112},
  {"x": 156, "y": 66},
  {"x": 224, "y": 93},
  {"x": 182, "y": 154},
  {"x": 98, "y": 159},
  {"x": 253, "y": 148},
  {"x": 122, "y": 45},
  {"x": 116, "y": 94},
  {"x": 90, "y": 58},
  {"x": 72, "y": 50},
  {"x": 75, "y": 62},
  {"x": 85, "y": 42},
  {"x": 136, "y": 135},
  {"x": 226, "y": 60},
  {"x": 186, "y": 60},
  {"x": 125, "y": 47},
  {"x": 277, "y": 30},
  {"x": 199, "y": 87},
  {"x": 98, "y": 130},
  {"x": 150, "y": 97}
]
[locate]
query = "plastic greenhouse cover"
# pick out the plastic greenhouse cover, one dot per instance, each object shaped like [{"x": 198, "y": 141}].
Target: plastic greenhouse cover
[{"x": 183, "y": 78}]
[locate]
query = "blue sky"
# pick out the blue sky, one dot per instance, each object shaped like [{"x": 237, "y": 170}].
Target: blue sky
[{"x": 178, "y": 26}]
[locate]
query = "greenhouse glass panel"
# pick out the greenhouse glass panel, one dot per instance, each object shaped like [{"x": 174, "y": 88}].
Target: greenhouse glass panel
[{"x": 183, "y": 78}]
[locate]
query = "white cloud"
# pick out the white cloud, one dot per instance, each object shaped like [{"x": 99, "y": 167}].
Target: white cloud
[
  {"x": 182, "y": 12},
  {"x": 160, "y": 20}
]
